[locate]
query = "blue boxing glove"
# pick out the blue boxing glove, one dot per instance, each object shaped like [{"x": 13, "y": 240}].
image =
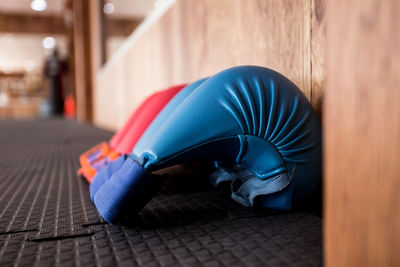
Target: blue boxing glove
[{"x": 247, "y": 116}]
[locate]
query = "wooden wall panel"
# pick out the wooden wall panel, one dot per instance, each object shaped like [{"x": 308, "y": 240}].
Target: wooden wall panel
[
  {"x": 194, "y": 39},
  {"x": 362, "y": 134},
  {"x": 318, "y": 31}
]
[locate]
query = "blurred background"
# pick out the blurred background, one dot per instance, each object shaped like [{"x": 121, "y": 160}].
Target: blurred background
[{"x": 37, "y": 68}]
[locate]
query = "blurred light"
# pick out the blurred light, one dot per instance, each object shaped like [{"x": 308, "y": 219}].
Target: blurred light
[
  {"x": 5, "y": 70},
  {"x": 159, "y": 3},
  {"x": 108, "y": 8},
  {"x": 38, "y": 5},
  {"x": 3, "y": 99},
  {"x": 29, "y": 65},
  {"x": 49, "y": 42}
]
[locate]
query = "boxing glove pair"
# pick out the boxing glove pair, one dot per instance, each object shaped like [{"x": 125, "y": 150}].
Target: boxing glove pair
[
  {"x": 124, "y": 140},
  {"x": 250, "y": 119}
]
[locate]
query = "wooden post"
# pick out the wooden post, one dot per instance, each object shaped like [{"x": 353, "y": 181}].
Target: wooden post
[
  {"x": 362, "y": 134},
  {"x": 87, "y": 54}
]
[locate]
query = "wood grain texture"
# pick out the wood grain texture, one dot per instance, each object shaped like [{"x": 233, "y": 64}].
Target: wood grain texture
[
  {"x": 27, "y": 23},
  {"x": 121, "y": 26},
  {"x": 362, "y": 134},
  {"x": 55, "y": 24},
  {"x": 318, "y": 32},
  {"x": 87, "y": 54},
  {"x": 194, "y": 39},
  {"x": 81, "y": 74}
]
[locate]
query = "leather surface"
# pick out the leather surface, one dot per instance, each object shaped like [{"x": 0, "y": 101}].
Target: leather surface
[
  {"x": 270, "y": 126},
  {"x": 147, "y": 136}
]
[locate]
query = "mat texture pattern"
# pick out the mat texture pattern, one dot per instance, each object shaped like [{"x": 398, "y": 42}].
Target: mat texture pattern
[{"x": 47, "y": 218}]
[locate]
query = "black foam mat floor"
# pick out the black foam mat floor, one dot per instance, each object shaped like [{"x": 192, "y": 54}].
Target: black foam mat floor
[{"x": 47, "y": 218}]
